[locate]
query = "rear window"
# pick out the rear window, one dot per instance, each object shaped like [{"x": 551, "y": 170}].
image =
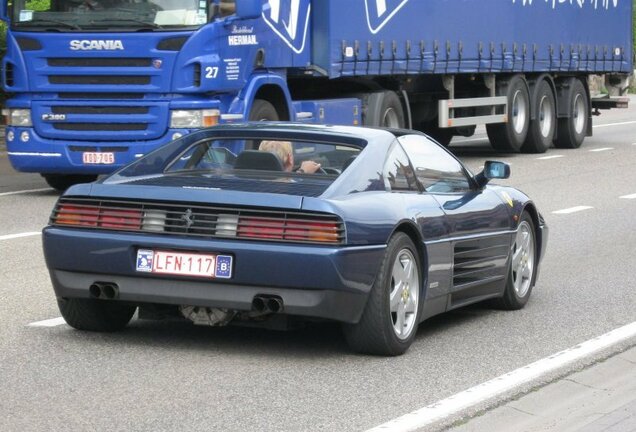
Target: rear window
[{"x": 268, "y": 155}]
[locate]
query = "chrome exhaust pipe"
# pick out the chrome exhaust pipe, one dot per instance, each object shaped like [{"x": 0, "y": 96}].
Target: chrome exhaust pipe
[
  {"x": 274, "y": 304},
  {"x": 95, "y": 290},
  {"x": 258, "y": 304},
  {"x": 104, "y": 291}
]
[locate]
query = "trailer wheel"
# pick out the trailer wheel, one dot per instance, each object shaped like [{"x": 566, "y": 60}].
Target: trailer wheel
[
  {"x": 510, "y": 136},
  {"x": 61, "y": 182},
  {"x": 384, "y": 109},
  {"x": 263, "y": 110},
  {"x": 543, "y": 127},
  {"x": 572, "y": 130}
]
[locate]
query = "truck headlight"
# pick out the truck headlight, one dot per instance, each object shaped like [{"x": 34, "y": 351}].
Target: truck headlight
[
  {"x": 17, "y": 117},
  {"x": 189, "y": 119}
]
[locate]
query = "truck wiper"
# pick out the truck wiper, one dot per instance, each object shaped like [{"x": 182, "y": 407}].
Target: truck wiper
[
  {"x": 133, "y": 20},
  {"x": 41, "y": 22}
]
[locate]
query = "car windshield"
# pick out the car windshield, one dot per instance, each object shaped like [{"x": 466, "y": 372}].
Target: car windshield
[
  {"x": 69, "y": 15},
  {"x": 255, "y": 157}
]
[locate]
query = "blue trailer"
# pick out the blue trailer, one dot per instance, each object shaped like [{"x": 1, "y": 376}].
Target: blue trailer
[{"x": 95, "y": 84}]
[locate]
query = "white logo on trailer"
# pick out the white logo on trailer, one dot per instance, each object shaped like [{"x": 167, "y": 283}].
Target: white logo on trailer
[
  {"x": 380, "y": 12},
  {"x": 287, "y": 28}
]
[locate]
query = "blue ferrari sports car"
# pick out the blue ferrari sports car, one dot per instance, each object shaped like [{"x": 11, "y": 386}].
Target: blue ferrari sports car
[{"x": 272, "y": 224}]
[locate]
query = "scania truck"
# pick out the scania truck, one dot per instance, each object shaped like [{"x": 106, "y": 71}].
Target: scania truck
[{"x": 95, "y": 84}]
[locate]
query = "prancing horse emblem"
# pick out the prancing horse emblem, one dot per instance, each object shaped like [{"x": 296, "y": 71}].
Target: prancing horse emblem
[{"x": 187, "y": 218}]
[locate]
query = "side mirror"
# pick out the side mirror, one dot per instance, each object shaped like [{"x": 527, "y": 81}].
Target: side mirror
[
  {"x": 249, "y": 9},
  {"x": 492, "y": 170}
]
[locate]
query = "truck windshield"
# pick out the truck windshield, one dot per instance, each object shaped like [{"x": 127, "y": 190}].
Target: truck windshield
[{"x": 131, "y": 15}]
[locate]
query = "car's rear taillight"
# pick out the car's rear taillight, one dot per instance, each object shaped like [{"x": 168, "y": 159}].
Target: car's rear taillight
[
  {"x": 91, "y": 216},
  {"x": 289, "y": 229}
]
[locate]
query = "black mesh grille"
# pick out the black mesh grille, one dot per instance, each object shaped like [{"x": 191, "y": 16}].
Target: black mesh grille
[
  {"x": 98, "y": 110},
  {"x": 284, "y": 186},
  {"x": 197, "y": 74},
  {"x": 101, "y": 95},
  {"x": 8, "y": 75},
  {"x": 206, "y": 221},
  {"x": 99, "y": 62},
  {"x": 100, "y": 126},
  {"x": 99, "y": 79}
]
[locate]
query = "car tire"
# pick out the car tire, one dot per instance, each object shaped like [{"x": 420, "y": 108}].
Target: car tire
[
  {"x": 543, "y": 127},
  {"x": 263, "y": 110},
  {"x": 391, "y": 316},
  {"x": 61, "y": 182},
  {"x": 522, "y": 270},
  {"x": 96, "y": 315},
  {"x": 510, "y": 136},
  {"x": 573, "y": 129}
]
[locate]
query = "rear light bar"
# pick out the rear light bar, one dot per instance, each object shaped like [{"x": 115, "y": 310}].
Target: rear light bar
[
  {"x": 91, "y": 216},
  {"x": 198, "y": 221},
  {"x": 288, "y": 229}
]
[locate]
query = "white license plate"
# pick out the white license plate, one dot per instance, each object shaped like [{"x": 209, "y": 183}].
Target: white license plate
[
  {"x": 184, "y": 264},
  {"x": 98, "y": 158}
]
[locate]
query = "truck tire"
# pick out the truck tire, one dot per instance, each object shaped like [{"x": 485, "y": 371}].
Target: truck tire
[
  {"x": 95, "y": 315},
  {"x": 384, "y": 109},
  {"x": 573, "y": 129},
  {"x": 510, "y": 136},
  {"x": 543, "y": 127},
  {"x": 263, "y": 110},
  {"x": 442, "y": 136},
  {"x": 61, "y": 182}
]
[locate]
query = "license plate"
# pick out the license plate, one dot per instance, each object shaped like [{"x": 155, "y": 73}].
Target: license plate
[
  {"x": 184, "y": 264},
  {"x": 98, "y": 158}
]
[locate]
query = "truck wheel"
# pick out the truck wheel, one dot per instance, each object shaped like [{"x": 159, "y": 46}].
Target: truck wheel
[
  {"x": 95, "y": 315},
  {"x": 543, "y": 127},
  {"x": 572, "y": 130},
  {"x": 510, "y": 136},
  {"x": 384, "y": 109},
  {"x": 390, "y": 319},
  {"x": 263, "y": 110},
  {"x": 442, "y": 136},
  {"x": 61, "y": 182}
]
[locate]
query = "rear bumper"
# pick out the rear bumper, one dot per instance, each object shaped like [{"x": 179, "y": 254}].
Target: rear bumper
[
  {"x": 326, "y": 304},
  {"x": 313, "y": 281}
]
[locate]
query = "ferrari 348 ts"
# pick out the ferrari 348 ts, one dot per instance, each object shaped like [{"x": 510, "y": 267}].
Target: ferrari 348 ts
[{"x": 277, "y": 223}]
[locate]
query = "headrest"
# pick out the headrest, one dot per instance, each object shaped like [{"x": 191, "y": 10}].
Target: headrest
[{"x": 258, "y": 160}]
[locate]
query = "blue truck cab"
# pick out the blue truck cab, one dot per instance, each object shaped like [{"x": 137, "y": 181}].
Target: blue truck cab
[{"x": 95, "y": 84}]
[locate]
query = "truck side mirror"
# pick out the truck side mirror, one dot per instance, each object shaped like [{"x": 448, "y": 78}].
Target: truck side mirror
[
  {"x": 492, "y": 170},
  {"x": 249, "y": 9}
]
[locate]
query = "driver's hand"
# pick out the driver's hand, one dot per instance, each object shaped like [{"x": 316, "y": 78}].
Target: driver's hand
[{"x": 309, "y": 167}]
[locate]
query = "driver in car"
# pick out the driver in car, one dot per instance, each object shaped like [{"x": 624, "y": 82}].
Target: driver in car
[{"x": 283, "y": 150}]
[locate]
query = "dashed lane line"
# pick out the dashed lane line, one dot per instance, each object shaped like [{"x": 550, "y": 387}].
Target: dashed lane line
[
  {"x": 503, "y": 384},
  {"x": 602, "y": 149},
  {"x": 19, "y": 235},
  {"x": 24, "y": 191},
  {"x": 614, "y": 124},
  {"x": 632, "y": 196},
  {"x": 550, "y": 157},
  {"x": 53, "y": 322},
  {"x": 572, "y": 210}
]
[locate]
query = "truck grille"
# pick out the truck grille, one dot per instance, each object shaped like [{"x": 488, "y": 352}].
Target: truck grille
[
  {"x": 100, "y": 126},
  {"x": 99, "y": 62},
  {"x": 199, "y": 221},
  {"x": 99, "y": 79}
]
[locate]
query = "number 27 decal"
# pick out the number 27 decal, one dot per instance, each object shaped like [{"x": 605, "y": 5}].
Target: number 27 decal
[{"x": 211, "y": 72}]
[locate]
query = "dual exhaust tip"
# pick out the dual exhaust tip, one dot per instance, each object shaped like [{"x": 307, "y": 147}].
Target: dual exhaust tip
[
  {"x": 267, "y": 304},
  {"x": 104, "y": 291}
]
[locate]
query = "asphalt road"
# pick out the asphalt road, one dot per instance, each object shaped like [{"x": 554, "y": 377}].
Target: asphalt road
[{"x": 174, "y": 376}]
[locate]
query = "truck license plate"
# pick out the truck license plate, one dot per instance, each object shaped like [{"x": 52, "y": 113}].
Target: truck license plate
[
  {"x": 184, "y": 264},
  {"x": 98, "y": 158}
]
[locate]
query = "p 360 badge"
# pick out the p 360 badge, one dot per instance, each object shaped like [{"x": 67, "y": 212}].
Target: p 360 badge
[{"x": 53, "y": 117}]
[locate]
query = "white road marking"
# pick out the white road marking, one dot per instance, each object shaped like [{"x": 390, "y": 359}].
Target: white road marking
[
  {"x": 25, "y": 191},
  {"x": 602, "y": 149},
  {"x": 496, "y": 387},
  {"x": 632, "y": 196},
  {"x": 550, "y": 157},
  {"x": 53, "y": 322},
  {"x": 19, "y": 235},
  {"x": 614, "y": 124},
  {"x": 572, "y": 210}
]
